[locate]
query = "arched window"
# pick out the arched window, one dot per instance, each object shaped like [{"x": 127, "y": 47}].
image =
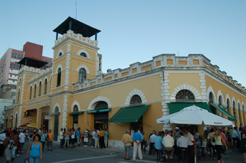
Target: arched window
[
  {"x": 60, "y": 54},
  {"x": 75, "y": 108},
  {"x": 234, "y": 109},
  {"x": 211, "y": 97},
  {"x": 101, "y": 105},
  {"x": 35, "y": 87},
  {"x": 211, "y": 100},
  {"x": 239, "y": 114},
  {"x": 220, "y": 100},
  {"x": 58, "y": 78},
  {"x": 45, "y": 86},
  {"x": 18, "y": 95},
  {"x": 40, "y": 88},
  {"x": 185, "y": 95},
  {"x": 228, "y": 104},
  {"x": 136, "y": 100},
  {"x": 83, "y": 54},
  {"x": 82, "y": 75},
  {"x": 30, "y": 93},
  {"x": 57, "y": 110}
]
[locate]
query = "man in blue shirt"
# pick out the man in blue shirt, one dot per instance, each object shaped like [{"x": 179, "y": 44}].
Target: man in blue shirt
[
  {"x": 78, "y": 136},
  {"x": 158, "y": 144},
  {"x": 137, "y": 138}
]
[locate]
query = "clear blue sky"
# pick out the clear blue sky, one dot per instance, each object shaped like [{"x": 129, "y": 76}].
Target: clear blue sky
[{"x": 136, "y": 30}]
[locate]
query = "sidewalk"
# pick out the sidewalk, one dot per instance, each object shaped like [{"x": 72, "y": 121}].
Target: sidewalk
[{"x": 233, "y": 156}]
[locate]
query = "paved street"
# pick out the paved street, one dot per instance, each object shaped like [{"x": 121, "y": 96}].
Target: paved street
[{"x": 108, "y": 155}]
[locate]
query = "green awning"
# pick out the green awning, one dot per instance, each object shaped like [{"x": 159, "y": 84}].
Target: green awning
[
  {"x": 223, "y": 110},
  {"x": 104, "y": 110},
  {"x": 91, "y": 111},
  {"x": 76, "y": 113},
  {"x": 176, "y": 107},
  {"x": 132, "y": 114}
]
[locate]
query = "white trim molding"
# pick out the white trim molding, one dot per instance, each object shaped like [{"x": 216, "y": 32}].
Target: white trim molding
[
  {"x": 228, "y": 97},
  {"x": 203, "y": 87},
  {"x": 233, "y": 99},
  {"x": 54, "y": 107},
  {"x": 95, "y": 100},
  {"x": 83, "y": 66},
  {"x": 187, "y": 87},
  {"x": 238, "y": 102},
  {"x": 59, "y": 66},
  {"x": 165, "y": 96},
  {"x": 135, "y": 92},
  {"x": 83, "y": 51},
  {"x": 64, "y": 118},
  {"x": 76, "y": 103},
  {"x": 60, "y": 51},
  {"x": 210, "y": 89},
  {"x": 220, "y": 94}
]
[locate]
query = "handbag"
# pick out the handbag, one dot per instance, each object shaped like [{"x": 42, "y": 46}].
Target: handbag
[{"x": 26, "y": 160}]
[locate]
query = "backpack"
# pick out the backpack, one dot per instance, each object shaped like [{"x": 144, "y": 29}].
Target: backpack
[{"x": 11, "y": 144}]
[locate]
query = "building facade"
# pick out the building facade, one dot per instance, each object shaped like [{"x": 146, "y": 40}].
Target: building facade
[{"x": 74, "y": 93}]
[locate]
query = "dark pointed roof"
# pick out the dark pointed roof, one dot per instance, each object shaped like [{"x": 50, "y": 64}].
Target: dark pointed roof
[{"x": 77, "y": 27}]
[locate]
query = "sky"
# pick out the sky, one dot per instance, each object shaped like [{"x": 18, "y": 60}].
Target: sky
[{"x": 136, "y": 30}]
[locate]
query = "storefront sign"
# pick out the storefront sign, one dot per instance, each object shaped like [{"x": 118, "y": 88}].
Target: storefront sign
[{"x": 47, "y": 117}]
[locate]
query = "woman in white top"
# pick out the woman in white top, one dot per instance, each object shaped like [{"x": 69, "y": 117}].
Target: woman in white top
[
  {"x": 73, "y": 138},
  {"x": 218, "y": 139}
]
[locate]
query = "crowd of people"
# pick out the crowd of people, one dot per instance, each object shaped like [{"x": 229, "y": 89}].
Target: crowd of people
[
  {"x": 12, "y": 141},
  {"x": 167, "y": 144},
  {"x": 180, "y": 143},
  {"x": 98, "y": 138}
]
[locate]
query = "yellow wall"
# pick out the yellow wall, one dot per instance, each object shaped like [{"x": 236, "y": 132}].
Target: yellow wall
[
  {"x": 177, "y": 79},
  {"x": 225, "y": 90}
]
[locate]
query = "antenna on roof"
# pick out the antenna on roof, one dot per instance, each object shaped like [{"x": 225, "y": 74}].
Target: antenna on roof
[
  {"x": 75, "y": 9},
  {"x": 178, "y": 53}
]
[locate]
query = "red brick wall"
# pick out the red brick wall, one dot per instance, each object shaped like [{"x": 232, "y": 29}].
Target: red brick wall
[{"x": 33, "y": 50}]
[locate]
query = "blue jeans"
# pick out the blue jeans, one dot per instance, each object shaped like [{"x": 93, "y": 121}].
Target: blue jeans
[
  {"x": 34, "y": 159},
  {"x": 61, "y": 143},
  {"x": 93, "y": 142},
  {"x": 160, "y": 153}
]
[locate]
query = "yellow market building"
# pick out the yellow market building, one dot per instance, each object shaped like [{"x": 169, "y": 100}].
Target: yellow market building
[{"x": 74, "y": 93}]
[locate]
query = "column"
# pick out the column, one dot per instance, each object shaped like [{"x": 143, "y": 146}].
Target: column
[{"x": 39, "y": 116}]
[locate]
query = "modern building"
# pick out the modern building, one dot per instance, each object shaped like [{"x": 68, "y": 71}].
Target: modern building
[
  {"x": 10, "y": 67},
  {"x": 4, "y": 103},
  {"x": 74, "y": 93}
]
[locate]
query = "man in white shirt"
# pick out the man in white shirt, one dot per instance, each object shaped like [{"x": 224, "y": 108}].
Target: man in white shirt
[
  {"x": 22, "y": 141},
  {"x": 2, "y": 138},
  {"x": 93, "y": 137},
  {"x": 182, "y": 143},
  {"x": 190, "y": 138},
  {"x": 210, "y": 143},
  {"x": 168, "y": 143},
  {"x": 61, "y": 138},
  {"x": 152, "y": 142}
]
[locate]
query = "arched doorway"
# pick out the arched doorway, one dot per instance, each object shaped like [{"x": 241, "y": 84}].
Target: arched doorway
[
  {"x": 101, "y": 118},
  {"x": 56, "y": 123},
  {"x": 211, "y": 100},
  {"x": 75, "y": 117},
  {"x": 136, "y": 101}
]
